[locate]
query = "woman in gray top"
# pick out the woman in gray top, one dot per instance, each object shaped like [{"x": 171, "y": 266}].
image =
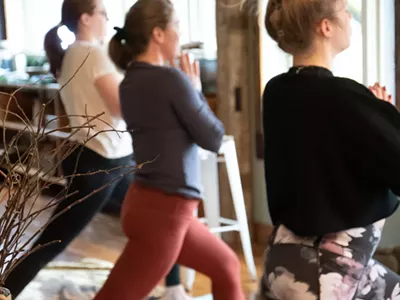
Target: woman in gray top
[{"x": 169, "y": 119}]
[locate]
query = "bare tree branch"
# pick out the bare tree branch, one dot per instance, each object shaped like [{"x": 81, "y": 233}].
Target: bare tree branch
[{"x": 24, "y": 178}]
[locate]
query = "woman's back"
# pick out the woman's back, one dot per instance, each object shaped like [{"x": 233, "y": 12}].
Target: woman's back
[
  {"x": 332, "y": 163},
  {"x": 80, "y": 97},
  {"x": 168, "y": 119},
  {"x": 324, "y": 152}
]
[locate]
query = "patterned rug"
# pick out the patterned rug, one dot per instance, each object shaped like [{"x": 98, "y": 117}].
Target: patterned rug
[
  {"x": 70, "y": 281},
  {"x": 75, "y": 281}
]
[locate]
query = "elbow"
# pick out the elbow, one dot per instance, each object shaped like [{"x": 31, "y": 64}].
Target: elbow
[
  {"x": 115, "y": 111},
  {"x": 117, "y": 114},
  {"x": 213, "y": 142},
  {"x": 396, "y": 190}
]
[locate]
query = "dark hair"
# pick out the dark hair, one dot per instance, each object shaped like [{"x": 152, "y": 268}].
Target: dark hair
[
  {"x": 134, "y": 37},
  {"x": 290, "y": 22},
  {"x": 71, "y": 12}
]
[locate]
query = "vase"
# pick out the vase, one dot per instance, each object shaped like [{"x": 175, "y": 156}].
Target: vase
[{"x": 5, "y": 294}]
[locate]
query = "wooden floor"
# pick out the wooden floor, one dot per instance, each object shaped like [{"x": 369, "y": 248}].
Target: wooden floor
[{"x": 103, "y": 239}]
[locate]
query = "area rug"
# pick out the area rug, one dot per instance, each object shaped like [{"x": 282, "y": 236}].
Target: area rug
[
  {"x": 75, "y": 281},
  {"x": 71, "y": 281}
]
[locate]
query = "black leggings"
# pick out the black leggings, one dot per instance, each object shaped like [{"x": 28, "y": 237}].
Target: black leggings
[{"x": 70, "y": 224}]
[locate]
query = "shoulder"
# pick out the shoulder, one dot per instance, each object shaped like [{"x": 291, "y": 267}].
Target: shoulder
[
  {"x": 357, "y": 102},
  {"x": 174, "y": 75},
  {"x": 272, "y": 86},
  {"x": 91, "y": 54},
  {"x": 357, "y": 95},
  {"x": 97, "y": 55},
  {"x": 350, "y": 86},
  {"x": 82, "y": 49},
  {"x": 163, "y": 74},
  {"x": 174, "y": 80},
  {"x": 274, "y": 81}
]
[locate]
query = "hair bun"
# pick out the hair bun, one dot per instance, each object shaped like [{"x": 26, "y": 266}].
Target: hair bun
[
  {"x": 291, "y": 23},
  {"x": 276, "y": 20}
]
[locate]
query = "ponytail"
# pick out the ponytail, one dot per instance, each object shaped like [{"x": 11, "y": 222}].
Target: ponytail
[
  {"x": 54, "y": 51},
  {"x": 134, "y": 38},
  {"x": 119, "y": 51}
]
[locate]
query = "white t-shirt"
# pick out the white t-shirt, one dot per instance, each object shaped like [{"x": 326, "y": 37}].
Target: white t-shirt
[{"x": 80, "y": 97}]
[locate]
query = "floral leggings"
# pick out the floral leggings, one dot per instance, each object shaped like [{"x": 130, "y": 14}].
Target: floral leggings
[{"x": 334, "y": 267}]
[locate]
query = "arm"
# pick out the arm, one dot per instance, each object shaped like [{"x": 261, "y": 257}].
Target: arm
[
  {"x": 106, "y": 80},
  {"x": 373, "y": 127},
  {"x": 194, "y": 112},
  {"x": 108, "y": 88}
]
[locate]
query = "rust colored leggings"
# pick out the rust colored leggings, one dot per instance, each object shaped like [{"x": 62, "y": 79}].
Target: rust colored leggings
[{"x": 162, "y": 231}]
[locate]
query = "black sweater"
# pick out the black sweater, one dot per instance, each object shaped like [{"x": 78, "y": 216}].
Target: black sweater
[{"x": 332, "y": 152}]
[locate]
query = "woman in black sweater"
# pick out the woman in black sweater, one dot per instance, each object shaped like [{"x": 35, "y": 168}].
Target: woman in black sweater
[{"x": 332, "y": 163}]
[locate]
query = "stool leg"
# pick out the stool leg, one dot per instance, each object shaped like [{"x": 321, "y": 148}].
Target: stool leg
[
  {"x": 210, "y": 181},
  {"x": 190, "y": 276},
  {"x": 232, "y": 166}
]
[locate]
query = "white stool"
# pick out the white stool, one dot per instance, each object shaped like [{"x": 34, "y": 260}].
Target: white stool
[{"x": 212, "y": 206}]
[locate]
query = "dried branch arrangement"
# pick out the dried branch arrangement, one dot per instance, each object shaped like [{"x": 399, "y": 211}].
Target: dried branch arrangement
[{"x": 24, "y": 180}]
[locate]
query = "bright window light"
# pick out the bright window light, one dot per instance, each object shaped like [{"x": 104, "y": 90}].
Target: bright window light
[{"x": 67, "y": 37}]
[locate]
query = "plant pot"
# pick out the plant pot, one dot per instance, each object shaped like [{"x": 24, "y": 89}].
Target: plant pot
[{"x": 5, "y": 294}]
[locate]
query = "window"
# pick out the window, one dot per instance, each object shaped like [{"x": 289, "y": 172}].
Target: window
[
  {"x": 349, "y": 63},
  {"x": 116, "y": 10},
  {"x": 198, "y": 24},
  {"x": 26, "y": 26}
]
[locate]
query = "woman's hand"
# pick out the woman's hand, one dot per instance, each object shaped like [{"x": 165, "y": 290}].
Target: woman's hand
[
  {"x": 380, "y": 92},
  {"x": 192, "y": 68}
]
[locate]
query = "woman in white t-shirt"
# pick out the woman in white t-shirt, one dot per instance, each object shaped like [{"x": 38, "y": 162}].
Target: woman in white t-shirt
[{"x": 91, "y": 88}]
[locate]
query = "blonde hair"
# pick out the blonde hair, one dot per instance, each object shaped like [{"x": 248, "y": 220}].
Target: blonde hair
[{"x": 291, "y": 22}]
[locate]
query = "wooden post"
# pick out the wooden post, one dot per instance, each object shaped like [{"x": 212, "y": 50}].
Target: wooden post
[
  {"x": 238, "y": 62},
  {"x": 397, "y": 51}
]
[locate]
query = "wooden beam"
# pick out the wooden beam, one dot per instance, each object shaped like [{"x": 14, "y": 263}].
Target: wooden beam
[
  {"x": 237, "y": 40},
  {"x": 397, "y": 51}
]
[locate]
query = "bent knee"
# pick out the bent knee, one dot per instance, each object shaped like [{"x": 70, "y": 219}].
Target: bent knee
[{"x": 231, "y": 265}]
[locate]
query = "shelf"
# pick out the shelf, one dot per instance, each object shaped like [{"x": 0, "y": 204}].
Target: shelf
[
  {"x": 21, "y": 169},
  {"x": 24, "y": 86},
  {"x": 22, "y": 127},
  {"x": 32, "y": 171},
  {"x": 42, "y": 94}
]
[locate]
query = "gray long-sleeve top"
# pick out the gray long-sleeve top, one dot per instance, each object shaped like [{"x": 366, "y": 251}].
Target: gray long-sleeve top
[{"x": 169, "y": 119}]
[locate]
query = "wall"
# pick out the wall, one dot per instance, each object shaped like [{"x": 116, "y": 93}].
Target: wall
[
  {"x": 260, "y": 206},
  {"x": 15, "y": 32}
]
